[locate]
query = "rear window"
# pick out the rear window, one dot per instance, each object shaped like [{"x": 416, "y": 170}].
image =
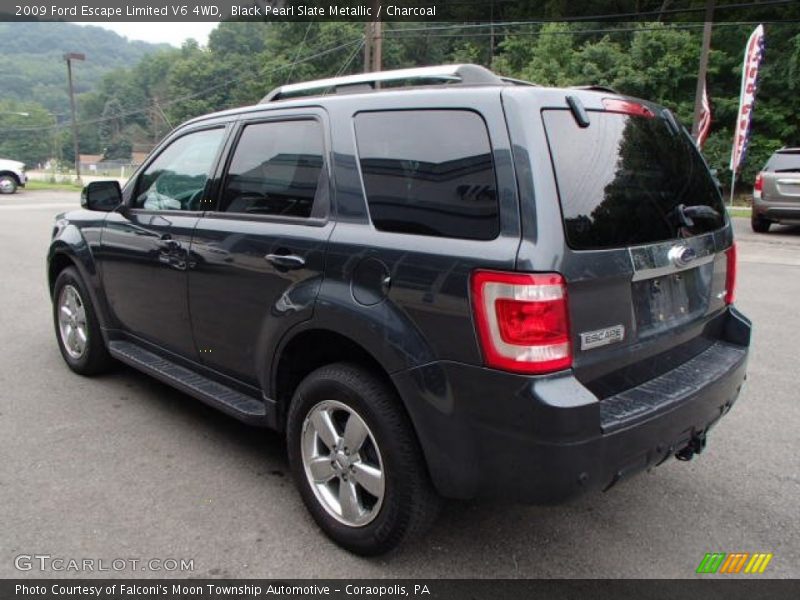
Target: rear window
[
  {"x": 429, "y": 172},
  {"x": 621, "y": 179},
  {"x": 784, "y": 161}
]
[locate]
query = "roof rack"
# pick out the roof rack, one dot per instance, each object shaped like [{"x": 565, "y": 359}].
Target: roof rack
[
  {"x": 465, "y": 74},
  {"x": 595, "y": 88},
  {"x": 514, "y": 81}
]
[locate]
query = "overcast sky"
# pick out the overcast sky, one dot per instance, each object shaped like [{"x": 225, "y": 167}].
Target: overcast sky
[{"x": 169, "y": 33}]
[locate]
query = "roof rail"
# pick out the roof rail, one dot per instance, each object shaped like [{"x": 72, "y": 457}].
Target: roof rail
[
  {"x": 514, "y": 81},
  {"x": 595, "y": 88},
  {"x": 460, "y": 74}
]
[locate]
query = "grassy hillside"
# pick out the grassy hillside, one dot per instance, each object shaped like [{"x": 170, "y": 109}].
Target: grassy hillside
[{"x": 32, "y": 67}]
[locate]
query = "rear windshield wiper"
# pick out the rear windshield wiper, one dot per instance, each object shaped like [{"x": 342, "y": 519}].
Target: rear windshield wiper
[
  {"x": 795, "y": 170},
  {"x": 684, "y": 215}
]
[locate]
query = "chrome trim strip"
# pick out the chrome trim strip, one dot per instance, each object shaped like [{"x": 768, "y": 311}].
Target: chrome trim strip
[{"x": 653, "y": 260}]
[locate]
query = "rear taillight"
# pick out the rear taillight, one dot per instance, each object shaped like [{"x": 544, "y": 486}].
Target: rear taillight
[
  {"x": 758, "y": 185},
  {"x": 522, "y": 321},
  {"x": 730, "y": 274},
  {"x": 627, "y": 107}
]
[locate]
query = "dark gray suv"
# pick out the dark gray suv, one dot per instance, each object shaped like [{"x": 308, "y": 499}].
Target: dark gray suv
[{"x": 434, "y": 282}]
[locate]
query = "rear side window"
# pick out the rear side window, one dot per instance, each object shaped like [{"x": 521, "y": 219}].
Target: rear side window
[
  {"x": 784, "y": 162},
  {"x": 429, "y": 172},
  {"x": 275, "y": 169},
  {"x": 622, "y": 178}
]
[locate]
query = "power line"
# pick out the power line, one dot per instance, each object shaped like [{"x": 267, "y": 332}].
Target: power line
[
  {"x": 193, "y": 95},
  {"x": 398, "y": 33},
  {"x": 616, "y": 16},
  {"x": 299, "y": 49},
  {"x": 352, "y": 56}
]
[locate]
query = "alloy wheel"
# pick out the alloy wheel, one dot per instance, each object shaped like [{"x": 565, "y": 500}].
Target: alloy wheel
[
  {"x": 72, "y": 322},
  {"x": 342, "y": 463}
]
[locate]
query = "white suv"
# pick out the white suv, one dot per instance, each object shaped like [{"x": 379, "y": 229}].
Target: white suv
[{"x": 12, "y": 176}]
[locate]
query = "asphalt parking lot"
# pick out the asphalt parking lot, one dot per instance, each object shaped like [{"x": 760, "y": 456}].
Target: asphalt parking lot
[{"x": 122, "y": 466}]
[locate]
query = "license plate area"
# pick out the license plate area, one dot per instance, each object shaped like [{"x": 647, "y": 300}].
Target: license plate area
[{"x": 664, "y": 302}]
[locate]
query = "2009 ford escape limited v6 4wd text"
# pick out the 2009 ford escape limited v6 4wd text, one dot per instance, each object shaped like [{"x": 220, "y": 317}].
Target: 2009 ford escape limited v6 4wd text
[{"x": 436, "y": 282}]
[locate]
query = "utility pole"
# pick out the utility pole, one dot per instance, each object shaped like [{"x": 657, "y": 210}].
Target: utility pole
[
  {"x": 701, "y": 73},
  {"x": 491, "y": 35},
  {"x": 367, "y": 46},
  {"x": 54, "y": 150},
  {"x": 69, "y": 57},
  {"x": 373, "y": 42}
]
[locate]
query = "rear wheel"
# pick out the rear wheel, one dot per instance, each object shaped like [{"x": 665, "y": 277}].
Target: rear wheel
[
  {"x": 8, "y": 184},
  {"x": 356, "y": 460},
  {"x": 77, "y": 328},
  {"x": 759, "y": 224}
]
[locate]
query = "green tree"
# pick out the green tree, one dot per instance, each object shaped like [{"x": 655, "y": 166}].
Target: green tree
[{"x": 25, "y": 137}]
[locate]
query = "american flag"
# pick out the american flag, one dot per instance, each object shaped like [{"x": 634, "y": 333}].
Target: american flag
[{"x": 705, "y": 119}]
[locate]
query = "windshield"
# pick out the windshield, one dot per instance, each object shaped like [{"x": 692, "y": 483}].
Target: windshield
[{"x": 626, "y": 180}]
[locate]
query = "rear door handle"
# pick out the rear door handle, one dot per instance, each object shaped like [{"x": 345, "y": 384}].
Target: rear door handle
[
  {"x": 286, "y": 261},
  {"x": 169, "y": 245}
]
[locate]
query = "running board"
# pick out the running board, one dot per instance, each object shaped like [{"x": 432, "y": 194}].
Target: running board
[{"x": 236, "y": 404}]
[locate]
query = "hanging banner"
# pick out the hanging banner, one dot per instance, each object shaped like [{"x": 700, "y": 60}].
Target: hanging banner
[{"x": 752, "y": 59}]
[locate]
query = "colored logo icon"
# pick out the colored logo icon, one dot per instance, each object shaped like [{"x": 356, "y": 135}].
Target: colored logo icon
[{"x": 737, "y": 562}]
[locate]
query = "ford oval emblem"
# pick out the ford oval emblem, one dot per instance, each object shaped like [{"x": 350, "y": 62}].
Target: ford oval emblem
[{"x": 681, "y": 256}]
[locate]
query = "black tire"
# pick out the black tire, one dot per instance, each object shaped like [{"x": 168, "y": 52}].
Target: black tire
[
  {"x": 95, "y": 358},
  {"x": 409, "y": 503},
  {"x": 759, "y": 224},
  {"x": 8, "y": 184}
]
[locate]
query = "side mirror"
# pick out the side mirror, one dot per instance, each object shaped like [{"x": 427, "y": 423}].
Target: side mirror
[{"x": 102, "y": 196}]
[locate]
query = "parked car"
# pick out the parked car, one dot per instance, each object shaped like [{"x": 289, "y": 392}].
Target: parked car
[
  {"x": 776, "y": 191},
  {"x": 448, "y": 285},
  {"x": 12, "y": 176}
]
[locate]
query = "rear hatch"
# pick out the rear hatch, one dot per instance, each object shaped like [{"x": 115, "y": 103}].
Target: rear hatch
[
  {"x": 781, "y": 177},
  {"x": 646, "y": 239}
]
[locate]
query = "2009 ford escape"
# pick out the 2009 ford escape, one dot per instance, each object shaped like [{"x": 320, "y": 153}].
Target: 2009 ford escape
[{"x": 436, "y": 282}]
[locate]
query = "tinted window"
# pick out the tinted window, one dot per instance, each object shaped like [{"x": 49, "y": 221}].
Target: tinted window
[
  {"x": 429, "y": 172},
  {"x": 621, "y": 179},
  {"x": 786, "y": 162},
  {"x": 177, "y": 178},
  {"x": 275, "y": 169}
]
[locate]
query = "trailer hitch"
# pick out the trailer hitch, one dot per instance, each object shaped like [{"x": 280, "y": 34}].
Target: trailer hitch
[{"x": 695, "y": 446}]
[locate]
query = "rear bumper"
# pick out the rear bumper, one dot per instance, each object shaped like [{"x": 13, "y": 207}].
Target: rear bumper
[
  {"x": 776, "y": 210},
  {"x": 486, "y": 433}
]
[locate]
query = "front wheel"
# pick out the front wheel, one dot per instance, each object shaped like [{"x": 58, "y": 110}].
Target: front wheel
[
  {"x": 8, "y": 185},
  {"x": 356, "y": 460},
  {"x": 77, "y": 328}
]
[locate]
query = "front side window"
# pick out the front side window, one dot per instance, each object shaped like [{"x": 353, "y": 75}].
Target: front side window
[
  {"x": 429, "y": 172},
  {"x": 275, "y": 170},
  {"x": 177, "y": 178}
]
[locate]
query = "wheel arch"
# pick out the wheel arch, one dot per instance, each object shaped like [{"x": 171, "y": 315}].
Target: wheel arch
[
  {"x": 307, "y": 350},
  {"x": 61, "y": 257},
  {"x": 59, "y": 261},
  {"x": 11, "y": 174}
]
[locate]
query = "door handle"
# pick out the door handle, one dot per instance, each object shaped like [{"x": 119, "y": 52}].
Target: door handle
[
  {"x": 169, "y": 245},
  {"x": 286, "y": 261}
]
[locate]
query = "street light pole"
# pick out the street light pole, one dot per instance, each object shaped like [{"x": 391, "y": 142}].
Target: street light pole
[
  {"x": 54, "y": 149},
  {"x": 69, "y": 57}
]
